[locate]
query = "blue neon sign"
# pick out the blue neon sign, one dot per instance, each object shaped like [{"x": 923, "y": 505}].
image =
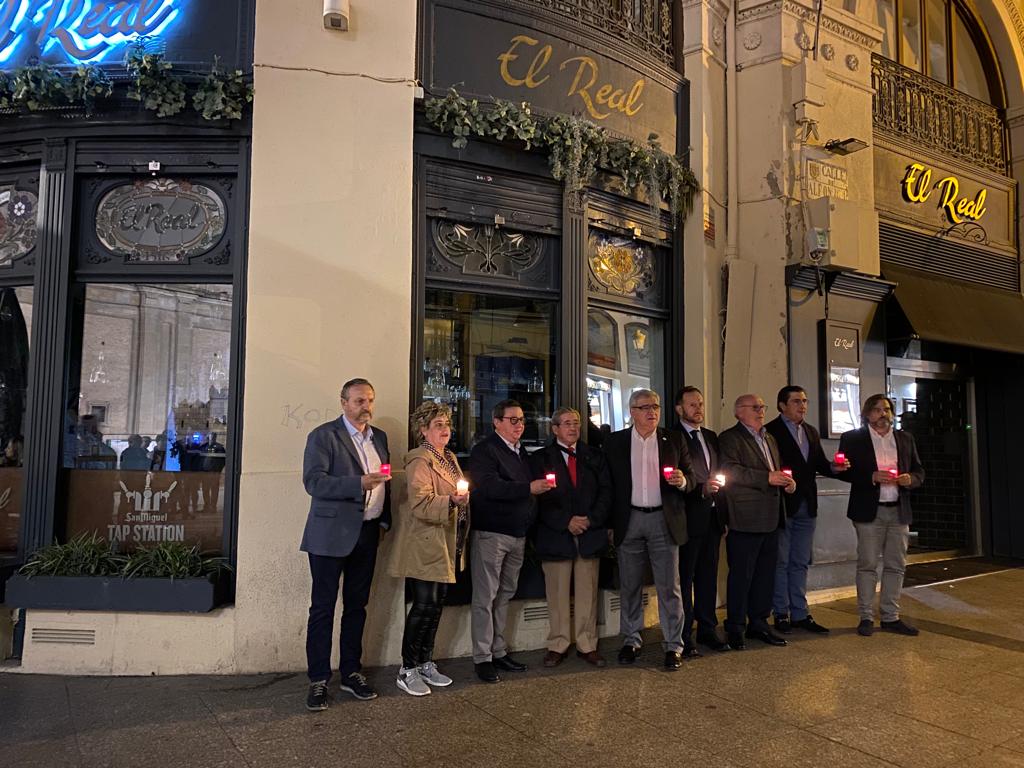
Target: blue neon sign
[{"x": 82, "y": 31}]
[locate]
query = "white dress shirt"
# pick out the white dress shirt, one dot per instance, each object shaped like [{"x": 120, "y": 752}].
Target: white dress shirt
[
  {"x": 371, "y": 462},
  {"x": 645, "y": 463},
  {"x": 886, "y": 458}
]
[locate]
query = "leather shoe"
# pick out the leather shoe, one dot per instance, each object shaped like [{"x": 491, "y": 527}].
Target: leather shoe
[
  {"x": 712, "y": 642},
  {"x": 736, "y": 641},
  {"x": 866, "y": 628},
  {"x": 486, "y": 672},
  {"x": 508, "y": 664},
  {"x": 765, "y": 636},
  {"x": 690, "y": 651},
  {"x": 673, "y": 660},
  {"x": 628, "y": 654},
  {"x": 783, "y": 625},
  {"x": 592, "y": 657},
  {"x": 811, "y": 625},
  {"x": 553, "y": 658},
  {"x": 900, "y": 627}
]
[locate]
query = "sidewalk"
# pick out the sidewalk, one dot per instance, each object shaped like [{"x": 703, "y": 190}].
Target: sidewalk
[{"x": 952, "y": 697}]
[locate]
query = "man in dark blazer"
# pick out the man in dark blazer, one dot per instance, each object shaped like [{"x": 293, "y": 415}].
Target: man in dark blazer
[
  {"x": 883, "y": 468},
  {"x": 570, "y": 536},
  {"x": 351, "y": 503},
  {"x": 503, "y": 511},
  {"x": 650, "y": 470},
  {"x": 705, "y": 523},
  {"x": 754, "y": 481},
  {"x": 799, "y": 450}
]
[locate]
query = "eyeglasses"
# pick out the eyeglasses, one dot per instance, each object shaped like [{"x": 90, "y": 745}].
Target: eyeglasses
[
  {"x": 649, "y": 408},
  {"x": 513, "y": 420},
  {"x": 757, "y": 408}
]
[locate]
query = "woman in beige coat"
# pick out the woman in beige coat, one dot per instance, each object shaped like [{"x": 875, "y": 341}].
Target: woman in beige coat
[{"x": 430, "y": 543}]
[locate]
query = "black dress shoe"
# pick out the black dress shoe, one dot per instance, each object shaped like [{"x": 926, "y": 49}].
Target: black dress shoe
[
  {"x": 508, "y": 664},
  {"x": 765, "y": 636},
  {"x": 712, "y": 642},
  {"x": 810, "y": 625},
  {"x": 673, "y": 660},
  {"x": 783, "y": 625},
  {"x": 736, "y": 641},
  {"x": 866, "y": 628},
  {"x": 486, "y": 672},
  {"x": 900, "y": 627},
  {"x": 691, "y": 652},
  {"x": 628, "y": 654}
]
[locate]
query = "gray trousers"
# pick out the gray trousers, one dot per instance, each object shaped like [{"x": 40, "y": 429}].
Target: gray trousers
[
  {"x": 495, "y": 560},
  {"x": 884, "y": 537},
  {"x": 648, "y": 538}
]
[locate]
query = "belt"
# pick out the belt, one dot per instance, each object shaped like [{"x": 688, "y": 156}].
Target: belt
[
  {"x": 888, "y": 503},
  {"x": 647, "y": 509}
]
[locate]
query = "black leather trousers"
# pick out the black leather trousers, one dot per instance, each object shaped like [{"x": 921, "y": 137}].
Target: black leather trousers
[{"x": 422, "y": 621}]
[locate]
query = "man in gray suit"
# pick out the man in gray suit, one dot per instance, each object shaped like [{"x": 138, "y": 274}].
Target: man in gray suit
[
  {"x": 751, "y": 464},
  {"x": 351, "y": 503}
]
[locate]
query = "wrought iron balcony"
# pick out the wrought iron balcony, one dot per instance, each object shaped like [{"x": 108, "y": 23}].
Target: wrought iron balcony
[
  {"x": 642, "y": 24},
  {"x": 910, "y": 106}
]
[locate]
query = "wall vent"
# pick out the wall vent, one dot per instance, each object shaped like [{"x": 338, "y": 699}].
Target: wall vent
[
  {"x": 63, "y": 636},
  {"x": 536, "y": 613}
]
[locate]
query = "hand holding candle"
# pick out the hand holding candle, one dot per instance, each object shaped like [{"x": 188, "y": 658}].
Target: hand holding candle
[
  {"x": 720, "y": 479},
  {"x": 667, "y": 471},
  {"x": 385, "y": 469},
  {"x": 551, "y": 479},
  {"x": 787, "y": 472},
  {"x": 462, "y": 487}
]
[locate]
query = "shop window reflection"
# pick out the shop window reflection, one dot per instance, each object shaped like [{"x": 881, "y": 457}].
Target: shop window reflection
[
  {"x": 15, "y": 322},
  {"x": 611, "y": 380},
  {"x": 146, "y": 434}
]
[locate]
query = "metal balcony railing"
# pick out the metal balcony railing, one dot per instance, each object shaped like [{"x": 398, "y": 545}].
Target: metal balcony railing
[{"x": 907, "y": 105}]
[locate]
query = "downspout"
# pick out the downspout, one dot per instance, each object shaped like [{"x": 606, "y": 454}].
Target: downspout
[{"x": 732, "y": 139}]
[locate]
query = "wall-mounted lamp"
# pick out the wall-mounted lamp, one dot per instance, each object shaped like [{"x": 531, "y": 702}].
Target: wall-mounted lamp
[
  {"x": 336, "y": 15},
  {"x": 845, "y": 146}
]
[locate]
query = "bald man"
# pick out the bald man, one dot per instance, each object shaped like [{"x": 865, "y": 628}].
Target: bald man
[{"x": 754, "y": 485}]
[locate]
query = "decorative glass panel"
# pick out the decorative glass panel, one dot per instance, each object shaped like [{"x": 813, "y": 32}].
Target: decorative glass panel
[
  {"x": 160, "y": 220},
  {"x": 146, "y": 441},
  {"x": 489, "y": 252},
  {"x": 623, "y": 267},
  {"x": 910, "y": 34},
  {"x": 17, "y": 223},
  {"x": 15, "y": 322},
  {"x": 937, "y": 45}
]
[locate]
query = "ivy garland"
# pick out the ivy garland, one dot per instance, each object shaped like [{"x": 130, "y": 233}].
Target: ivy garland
[
  {"x": 153, "y": 83},
  {"x": 576, "y": 148},
  {"x": 222, "y": 94}
]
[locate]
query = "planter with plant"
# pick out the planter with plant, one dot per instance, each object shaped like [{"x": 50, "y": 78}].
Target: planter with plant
[{"x": 85, "y": 573}]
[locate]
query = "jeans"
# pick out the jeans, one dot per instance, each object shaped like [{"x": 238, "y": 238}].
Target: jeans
[
  {"x": 422, "y": 621},
  {"x": 884, "y": 537},
  {"x": 795, "y": 545}
]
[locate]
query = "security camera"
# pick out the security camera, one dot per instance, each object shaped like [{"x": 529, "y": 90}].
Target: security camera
[{"x": 336, "y": 15}]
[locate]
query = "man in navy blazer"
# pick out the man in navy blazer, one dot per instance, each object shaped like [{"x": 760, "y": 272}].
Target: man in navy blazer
[{"x": 351, "y": 503}]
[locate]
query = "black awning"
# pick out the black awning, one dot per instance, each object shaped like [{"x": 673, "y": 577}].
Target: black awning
[{"x": 958, "y": 313}]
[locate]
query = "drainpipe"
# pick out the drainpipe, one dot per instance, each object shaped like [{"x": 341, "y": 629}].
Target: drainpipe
[{"x": 732, "y": 140}]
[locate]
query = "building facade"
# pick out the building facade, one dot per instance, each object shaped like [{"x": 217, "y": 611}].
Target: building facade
[{"x": 182, "y": 297}]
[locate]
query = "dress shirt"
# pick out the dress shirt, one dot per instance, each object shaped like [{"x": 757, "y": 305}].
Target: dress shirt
[
  {"x": 369, "y": 458},
  {"x": 566, "y": 450},
  {"x": 514, "y": 447},
  {"x": 690, "y": 431},
  {"x": 800, "y": 435},
  {"x": 886, "y": 458},
  {"x": 762, "y": 443},
  {"x": 644, "y": 461}
]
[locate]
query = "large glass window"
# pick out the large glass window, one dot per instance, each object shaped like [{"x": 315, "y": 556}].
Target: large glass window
[
  {"x": 910, "y": 35},
  {"x": 480, "y": 349},
  {"x": 146, "y": 435},
  {"x": 938, "y": 59},
  {"x": 610, "y": 381},
  {"x": 968, "y": 69},
  {"x": 15, "y": 325},
  {"x": 886, "y": 18}
]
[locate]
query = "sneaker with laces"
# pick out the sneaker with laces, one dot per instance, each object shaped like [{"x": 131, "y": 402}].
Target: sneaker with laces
[
  {"x": 316, "y": 699},
  {"x": 356, "y": 685},
  {"x": 433, "y": 676},
  {"x": 409, "y": 680}
]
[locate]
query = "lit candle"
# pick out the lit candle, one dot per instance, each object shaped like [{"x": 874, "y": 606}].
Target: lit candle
[
  {"x": 462, "y": 487},
  {"x": 667, "y": 471},
  {"x": 894, "y": 472},
  {"x": 787, "y": 472},
  {"x": 720, "y": 479},
  {"x": 840, "y": 458},
  {"x": 385, "y": 469},
  {"x": 550, "y": 477}
]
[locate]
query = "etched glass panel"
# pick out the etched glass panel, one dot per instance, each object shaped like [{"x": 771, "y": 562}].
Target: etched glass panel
[
  {"x": 623, "y": 267},
  {"x": 17, "y": 223}
]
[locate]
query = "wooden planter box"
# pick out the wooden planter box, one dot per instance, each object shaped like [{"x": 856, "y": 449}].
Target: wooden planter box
[{"x": 105, "y": 593}]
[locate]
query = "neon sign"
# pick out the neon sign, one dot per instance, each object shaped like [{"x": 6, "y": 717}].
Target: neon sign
[
  {"x": 917, "y": 188},
  {"x": 82, "y": 30}
]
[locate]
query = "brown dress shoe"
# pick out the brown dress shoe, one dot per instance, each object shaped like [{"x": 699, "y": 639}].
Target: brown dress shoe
[
  {"x": 553, "y": 658},
  {"x": 592, "y": 657}
]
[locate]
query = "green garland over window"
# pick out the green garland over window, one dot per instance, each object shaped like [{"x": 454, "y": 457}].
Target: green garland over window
[{"x": 576, "y": 148}]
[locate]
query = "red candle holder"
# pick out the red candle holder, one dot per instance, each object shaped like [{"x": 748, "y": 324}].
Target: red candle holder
[
  {"x": 840, "y": 458},
  {"x": 894, "y": 472},
  {"x": 667, "y": 471},
  {"x": 385, "y": 469},
  {"x": 552, "y": 480},
  {"x": 787, "y": 472}
]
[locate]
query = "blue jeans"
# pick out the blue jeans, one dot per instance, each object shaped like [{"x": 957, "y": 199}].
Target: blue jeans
[{"x": 795, "y": 543}]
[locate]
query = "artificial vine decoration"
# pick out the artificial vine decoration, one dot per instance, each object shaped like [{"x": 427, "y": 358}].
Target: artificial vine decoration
[
  {"x": 6, "y": 95},
  {"x": 222, "y": 95},
  {"x": 154, "y": 85},
  {"x": 576, "y": 148},
  {"x": 38, "y": 86},
  {"x": 87, "y": 84}
]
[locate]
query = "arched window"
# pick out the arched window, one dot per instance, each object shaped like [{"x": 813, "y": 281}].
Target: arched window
[{"x": 941, "y": 39}]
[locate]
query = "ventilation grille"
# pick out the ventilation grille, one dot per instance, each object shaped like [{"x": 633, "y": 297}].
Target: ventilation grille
[
  {"x": 63, "y": 636},
  {"x": 535, "y": 613},
  {"x": 948, "y": 257}
]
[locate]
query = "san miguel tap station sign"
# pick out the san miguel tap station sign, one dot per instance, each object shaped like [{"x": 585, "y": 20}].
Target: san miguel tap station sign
[{"x": 73, "y": 32}]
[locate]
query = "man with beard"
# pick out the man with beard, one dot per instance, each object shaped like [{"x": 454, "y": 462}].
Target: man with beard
[{"x": 883, "y": 468}]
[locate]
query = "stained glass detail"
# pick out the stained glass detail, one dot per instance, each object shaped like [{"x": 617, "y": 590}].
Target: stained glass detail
[{"x": 17, "y": 223}]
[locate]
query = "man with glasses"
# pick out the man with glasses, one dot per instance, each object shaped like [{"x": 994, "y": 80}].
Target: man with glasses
[
  {"x": 503, "y": 510},
  {"x": 884, "y": 468},
  {"x": 750, "y": 459},
  {"x": 650, "y": 470}
]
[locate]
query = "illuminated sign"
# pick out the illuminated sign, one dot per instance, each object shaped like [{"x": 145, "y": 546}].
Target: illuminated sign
[
  {"x": 82, "y": 31},
  {"x": 918, "y": 187}
]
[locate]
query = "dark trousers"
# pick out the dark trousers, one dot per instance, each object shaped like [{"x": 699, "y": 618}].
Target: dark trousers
[
  {"x": 421, "y": 622},
  {"x": 357, "y": 567},
  {"x": 751, "y": 582},
  {"x": 698, "y": 577}
]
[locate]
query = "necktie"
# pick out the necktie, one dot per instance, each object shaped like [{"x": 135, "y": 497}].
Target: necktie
[{"x": 572, "y": 467}]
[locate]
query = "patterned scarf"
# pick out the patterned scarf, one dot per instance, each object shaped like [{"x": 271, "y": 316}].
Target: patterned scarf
[{"x": 449, "y": 469}]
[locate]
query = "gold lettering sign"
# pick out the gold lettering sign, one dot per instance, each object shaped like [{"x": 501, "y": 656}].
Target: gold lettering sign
[
  {"x": 599, "y": 99},
  {"x": 918, "y": 187}
]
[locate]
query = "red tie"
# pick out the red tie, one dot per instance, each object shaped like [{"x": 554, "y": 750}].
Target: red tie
[{"x": 572, "y": 468}]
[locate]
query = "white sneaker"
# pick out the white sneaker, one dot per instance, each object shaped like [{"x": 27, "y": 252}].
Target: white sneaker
[
  {"x": 432, "y": 676},
  {"x": 409, "y": 680}
]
